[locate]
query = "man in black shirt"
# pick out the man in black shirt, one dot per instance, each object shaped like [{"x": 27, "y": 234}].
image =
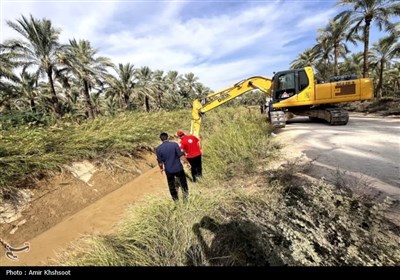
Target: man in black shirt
[{"x": 169, "y": 157}]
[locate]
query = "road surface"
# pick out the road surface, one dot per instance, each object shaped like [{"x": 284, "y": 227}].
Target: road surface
[{"x": 365, "y": 152}]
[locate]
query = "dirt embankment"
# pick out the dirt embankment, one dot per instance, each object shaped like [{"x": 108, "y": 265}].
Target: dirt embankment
[
  {"x": 384, "y": 107},
  {"x": 56, "y": 200}
]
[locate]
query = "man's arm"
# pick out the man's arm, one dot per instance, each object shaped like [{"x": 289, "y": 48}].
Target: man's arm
[
  {"x": 201, "y": 149},
  {"x": 161, "y": 165},
  {"x": 184, "y": 159},
  {"x": 182, "y": 147},
  {"x": 199, "y": 144},
  {"x": 181, "y": 155}
]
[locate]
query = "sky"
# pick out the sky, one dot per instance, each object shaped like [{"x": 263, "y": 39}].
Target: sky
[{"x": 221, "y": 42}]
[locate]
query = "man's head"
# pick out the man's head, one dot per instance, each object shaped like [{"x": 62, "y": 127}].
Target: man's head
[
  {"x": 163, "y": 136},
  {"x": 180, "y": 134}
]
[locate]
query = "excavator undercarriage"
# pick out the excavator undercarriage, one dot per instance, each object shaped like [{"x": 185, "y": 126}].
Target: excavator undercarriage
[{"x": 332, "y": 115}]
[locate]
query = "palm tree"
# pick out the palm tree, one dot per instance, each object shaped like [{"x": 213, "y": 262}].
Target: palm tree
[
  {"x": 381, "y": 54},
  {"x": 352, "y": 64},
  {"x": 160, "y": 86},
  {"x": 71, "y": 91},
  {"x": 39, "y": 49},
  {"x": 306, "y": 58},
  {"x": 190, "y": 81},
  {"x": 9, "y": 62},
  {"x": 202, "y": 91},
  {"x": 333, "y": 34},
  {"x": 111, "y": 106},
  {"x": 392, "y": 80},
  {"x": 144, "y": 85},
  {"x": 27, "y": 88},
  {"x": 80, "y": 58},
  {"x": 323, "y": 49},
  {"x": 323, "y": 55},
  {"x": 123, "y": 84},
  {"x": 367, "y": 11},
  {"x": 173, "y": 82}
]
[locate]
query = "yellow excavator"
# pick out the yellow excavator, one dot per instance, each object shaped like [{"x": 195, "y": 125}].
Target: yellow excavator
[{"x": 292, "y": 92}]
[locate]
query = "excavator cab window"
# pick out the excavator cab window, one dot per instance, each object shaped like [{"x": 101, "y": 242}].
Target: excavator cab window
[
  {"x": 289, "y": 83},
  {"x": 303, "y": 80},
  {"x": 285, "y": 86}
]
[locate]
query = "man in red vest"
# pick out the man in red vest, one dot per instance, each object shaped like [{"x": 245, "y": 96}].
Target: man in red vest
[{"x": 191, "y": 146}]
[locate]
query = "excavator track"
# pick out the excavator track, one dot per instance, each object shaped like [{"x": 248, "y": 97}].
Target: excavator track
[
  {"x": 334, "y": 116},
  {"x": 338, "y": 116},
  {"x": 277, "y": 119}
]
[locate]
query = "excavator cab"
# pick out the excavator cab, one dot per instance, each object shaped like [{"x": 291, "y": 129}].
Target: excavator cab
[{"x": 286, "y": 84}]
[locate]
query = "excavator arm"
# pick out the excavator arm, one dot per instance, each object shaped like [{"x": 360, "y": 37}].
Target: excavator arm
[{"x": 221, "y": 97}]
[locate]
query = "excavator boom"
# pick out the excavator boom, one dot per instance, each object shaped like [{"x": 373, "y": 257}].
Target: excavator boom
[{"x": 221, "y": 97}]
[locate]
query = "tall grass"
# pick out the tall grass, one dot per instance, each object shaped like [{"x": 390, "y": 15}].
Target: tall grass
[
  {"x": 235, "y": 139},
  {"x": 26, "y": 153},
  {"x": 157, "y": 233}
]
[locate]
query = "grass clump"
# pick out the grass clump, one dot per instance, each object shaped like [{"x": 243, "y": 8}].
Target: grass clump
[
  {"x": 235, "y": 140},
  {"x": 156, "y": 233}
]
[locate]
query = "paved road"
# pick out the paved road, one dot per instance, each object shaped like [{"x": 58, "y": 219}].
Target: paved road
[{"x": 366, "y": 151}]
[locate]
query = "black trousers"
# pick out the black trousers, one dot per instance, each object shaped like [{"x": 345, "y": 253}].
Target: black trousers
[
  {"x": 197, "y": 170},
  {"x": 172, "y": 187}
]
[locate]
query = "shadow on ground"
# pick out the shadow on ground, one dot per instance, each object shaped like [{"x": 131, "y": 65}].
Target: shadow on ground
[{"x": 236, "y": 243}]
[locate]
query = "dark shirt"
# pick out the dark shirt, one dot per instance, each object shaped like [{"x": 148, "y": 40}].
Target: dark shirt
[{"x": 169, "y": 153}]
